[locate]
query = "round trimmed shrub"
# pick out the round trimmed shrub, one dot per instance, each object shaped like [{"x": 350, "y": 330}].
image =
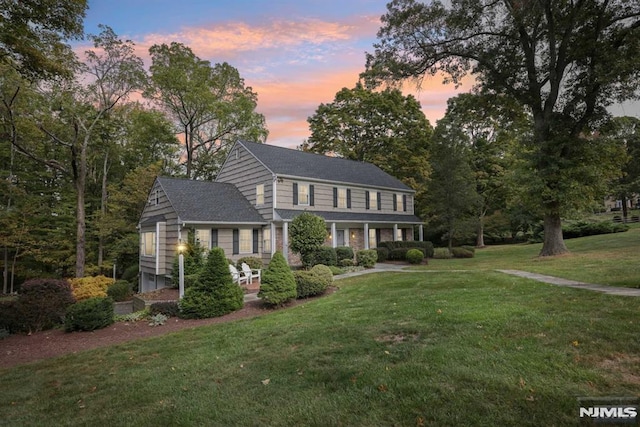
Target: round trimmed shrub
[
  {"x": 325, "y": 255},
  {"x": 415, "y": 256},
  {"x": 90, "y": 287},
  {"x": 89, "y": 315},
  {"x": 42, "y": 303},
  {"x": 120, "y": 291},
  {"x": 461, "y": 253},
  {"x": 344, "y": 252},
  {"x": 278, "y": 283},
  {"x": 313, "y": 282},
  {"x": 167, "y": 308},
  {"x": 366, "y": 258},
  {"x": 383, "y": 254}
]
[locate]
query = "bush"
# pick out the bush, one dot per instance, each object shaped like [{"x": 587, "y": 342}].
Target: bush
[
  {"x": 325, "y": 255},
  {"x": 345, "y": 263},
  {"x": 167, "y": 308},
  {"x": 42, "y": 303},
  {"x": 461, "y": 253},
  {"x": 336, "y": 270},
  {"x": 213, "y": 294},
  {"x": 253, "y": 262},
  {"x": 441, "y": 253},
  {"x": 90, "y": 287},
  {"x": 120, "y": 291},
  {"x": 11, "y": 317},
  {"x": 366, "y": 258},
  {"x": 89, "y": 315},
  {"x": 415, "y": 256},
  {"x": 427, "y": 247},
  {"x": 132, "y": 275},
  {"x": 307, "y": 232},
  {"x": 400, "y": 254},
  {"x": 278, "y": 283},
  {"x": 586, "y": 228},
  {"x": 344, "y": 252},
  {"x": 383, "y": 254},
  {"x": 313, "y": 282}
]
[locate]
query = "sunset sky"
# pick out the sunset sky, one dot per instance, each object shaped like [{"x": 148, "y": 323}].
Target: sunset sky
[{"x": 294, "y": 54}]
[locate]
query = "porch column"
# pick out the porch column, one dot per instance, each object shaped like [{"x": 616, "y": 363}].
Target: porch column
[
  {"x": 285, "y": 241},
  {"x": 366, "y": 235},
  {"x": 421, "y": 233},
  {"x": 395, "y": 232},
  {"x": 347, "y": 239},
  {"x": 334, "y": 238}
]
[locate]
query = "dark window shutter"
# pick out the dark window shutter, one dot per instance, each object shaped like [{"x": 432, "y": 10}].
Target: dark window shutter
[
  {"x": 379, "y": 201},
  {"x": 295, "y": 193},
  {"x": 335, "y": 197},
  {"x": 395, "y": 202},
  {"x": 404, "y": 202},
  {"x": 255, "y": 240},
  {"x": 311, "y": 196},
  {"x": 348, "y": 198},
  {"x": 214, "y": 237},
  {"x": 366, "y": 200},
  {"x": 236, "y": 241}
]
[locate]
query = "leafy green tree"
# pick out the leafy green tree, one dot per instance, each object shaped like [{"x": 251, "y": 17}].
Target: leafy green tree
[
  {"x": 32, "y": 35},
  {"x": 625, "y": 131},
  {"x": 211, "y": 106},
  {"x": 214, "y": 293},
  {"x": 385, "y": 128},
  {"x": 489, "y": 125},
  {"x": 278, "y": 284},
  {"x": 565, "y": 61},
  {"x": 452, "y": 196},
  {"x": 307, "y": 232}
]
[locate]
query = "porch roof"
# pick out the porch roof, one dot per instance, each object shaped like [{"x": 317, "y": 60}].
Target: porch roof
[{"x": 354, "y": 217}]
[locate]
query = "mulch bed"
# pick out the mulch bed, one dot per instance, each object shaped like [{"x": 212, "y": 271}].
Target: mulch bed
[{"x": 22, "y": 349}]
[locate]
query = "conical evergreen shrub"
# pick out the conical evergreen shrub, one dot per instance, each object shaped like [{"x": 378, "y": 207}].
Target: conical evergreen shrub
[
  {"x": 278, "y": 284},
  {"x": 214, "y": 293}
]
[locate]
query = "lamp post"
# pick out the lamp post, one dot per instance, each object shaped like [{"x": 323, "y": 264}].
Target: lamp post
[{"x": 181, "y": 249}]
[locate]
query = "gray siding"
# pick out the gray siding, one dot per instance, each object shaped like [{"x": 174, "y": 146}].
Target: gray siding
[
  {"x": 323, "y": 198},
  {"x": 244, "y": 171}
]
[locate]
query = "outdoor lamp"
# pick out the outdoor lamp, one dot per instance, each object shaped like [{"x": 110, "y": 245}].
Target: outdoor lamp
[{"x": 181, "y": 248}]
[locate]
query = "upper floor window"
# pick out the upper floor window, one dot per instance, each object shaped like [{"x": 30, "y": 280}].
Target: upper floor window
[
  {"x": 341, "y": 198},
  {"x": 260, "y": 194},
  {"x": 400, "y": 202},
  {"x": 303, "y": 194},
  {"x": 148, "y": 243},
  {"x": 373, "y": 200}
]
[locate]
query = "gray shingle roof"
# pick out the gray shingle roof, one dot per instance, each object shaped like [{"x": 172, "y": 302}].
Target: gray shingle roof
[
  {"x": 288, "y": 162},
  {"x": 206, "y": 201},
  {"x": 357, "y": 217}
]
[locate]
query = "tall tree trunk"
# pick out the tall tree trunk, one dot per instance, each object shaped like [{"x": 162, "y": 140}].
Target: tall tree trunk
[
  {"x": 103, "y": 210},
  {"x": 625, "y": 210},
  {"x": 80, "y": 172},
  {"x": 5, "y": 272},
  {"x": 480, "y": 232},
  {"x": 553, "y": 240}
]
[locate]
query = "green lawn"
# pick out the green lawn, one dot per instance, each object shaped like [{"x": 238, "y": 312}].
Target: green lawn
[
  {"x": 610, "y": 259},
  {"x": 438, "y": 349}
]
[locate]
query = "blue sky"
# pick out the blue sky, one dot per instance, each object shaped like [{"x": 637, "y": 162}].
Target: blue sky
[{"x": 294, "y": 54}]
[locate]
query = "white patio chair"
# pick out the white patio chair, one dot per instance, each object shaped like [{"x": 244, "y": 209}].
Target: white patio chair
[
  {"x": 251, "y": 273},
  {"x": 237, "y": 277}
]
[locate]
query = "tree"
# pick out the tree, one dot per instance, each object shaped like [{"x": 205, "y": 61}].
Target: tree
[
  {"x": 385, "y": 128},
  {"x": 214, "y": 293},
  {"x": 488, "y": 125},
  {"x": 452, "y": 196},
  {"x": 625, "y": 131},
  {"x": 278, "y": 282},
  {"x": 210, "y": 104},
  {"x": 307, "y": 233},
  {"x": 32, "y": 34},
  {"x": 565, "y": 61}
]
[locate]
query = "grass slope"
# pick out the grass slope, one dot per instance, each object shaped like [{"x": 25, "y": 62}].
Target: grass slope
[{"x": 433, "y": 349}]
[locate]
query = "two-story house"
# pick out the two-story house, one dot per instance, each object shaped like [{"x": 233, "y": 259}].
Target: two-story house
[{"x": 257, "y": 193}]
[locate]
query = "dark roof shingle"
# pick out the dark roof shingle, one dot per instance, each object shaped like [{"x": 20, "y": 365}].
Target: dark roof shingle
[
  {"x": 295, "y": 163},
  {"x": 206, "y": 201}
]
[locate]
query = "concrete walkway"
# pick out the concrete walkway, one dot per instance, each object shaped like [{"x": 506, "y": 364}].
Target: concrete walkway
[{"x": 612, "y": 290}]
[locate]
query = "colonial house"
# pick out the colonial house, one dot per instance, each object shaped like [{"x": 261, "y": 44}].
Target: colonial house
[{"x": 259, "y": 190}]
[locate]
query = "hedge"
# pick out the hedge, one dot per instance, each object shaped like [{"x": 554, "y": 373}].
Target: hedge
[{"x": 427, "y": 247}]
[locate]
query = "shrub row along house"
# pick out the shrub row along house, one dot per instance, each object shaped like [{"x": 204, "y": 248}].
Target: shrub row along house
[{"x": 258, "y": 191}]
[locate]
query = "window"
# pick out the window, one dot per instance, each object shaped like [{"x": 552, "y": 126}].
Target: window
[
  {"x": 260, "y": 194},
  {"x": 341, "y": 198},
  {"x": 148, "y": 244},
  {"x": 203, "y": 238},
  {"x": 266, "y": 240},
  {"x": 246, "y": 241},
  {"x": 373, "y": 240},
  {"x": 153, "y": 198},
  {"x": 302, "y": 194},
  {"x": 399, "y": 234},
  {"x": 373, "y": 200},
  {"x": 397, "y": 198}
]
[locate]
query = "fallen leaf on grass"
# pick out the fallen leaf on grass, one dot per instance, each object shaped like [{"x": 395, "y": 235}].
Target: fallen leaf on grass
[{"x": 266, "y": 382}]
